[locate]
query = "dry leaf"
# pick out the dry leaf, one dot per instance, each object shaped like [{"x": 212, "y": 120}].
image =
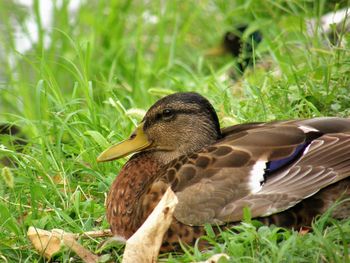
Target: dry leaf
[
  {"x": 85, "y": 254},
  {"x": 144, "y": 245},
  {"x": 49, "y": 243},
  {"x": 44, "y": 241}
]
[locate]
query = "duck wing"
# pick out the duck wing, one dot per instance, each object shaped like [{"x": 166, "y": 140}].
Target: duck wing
[{"x": 266, "y": 167}]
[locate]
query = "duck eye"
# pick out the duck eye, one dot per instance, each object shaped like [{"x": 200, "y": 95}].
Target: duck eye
[{"x": 167, "y": 114}]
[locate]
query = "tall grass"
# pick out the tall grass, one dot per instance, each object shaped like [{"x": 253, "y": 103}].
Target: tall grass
[{"x": 108, "y": 62}]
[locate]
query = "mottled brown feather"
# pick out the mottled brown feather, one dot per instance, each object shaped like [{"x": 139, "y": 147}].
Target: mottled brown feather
[
  {"x": 130, "y": 199},
  {"x": 281, "y": 191}
]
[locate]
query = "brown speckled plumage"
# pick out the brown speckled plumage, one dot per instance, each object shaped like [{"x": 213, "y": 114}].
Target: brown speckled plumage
[
  {"x": 130, "y": 202},
  {"x": 286, "y": 172}
]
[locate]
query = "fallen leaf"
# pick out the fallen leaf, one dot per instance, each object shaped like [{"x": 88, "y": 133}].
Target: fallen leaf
[
  {"x": 48, "y": 243},
  {"x": 85, "y": 254},
  {"x": 45, "y": 242},
  {"x": 144, "y": 245}
]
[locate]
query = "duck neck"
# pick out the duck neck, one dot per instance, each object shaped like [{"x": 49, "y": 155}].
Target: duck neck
[{"x": 124, "y": 212}]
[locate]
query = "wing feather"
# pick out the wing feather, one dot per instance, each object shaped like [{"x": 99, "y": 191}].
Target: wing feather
[
  {"x": 213, "y": 186},
  {"x": 298, "y": 182}
]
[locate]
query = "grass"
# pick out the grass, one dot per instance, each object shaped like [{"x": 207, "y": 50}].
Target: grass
[{"x": 107, "y": 63}]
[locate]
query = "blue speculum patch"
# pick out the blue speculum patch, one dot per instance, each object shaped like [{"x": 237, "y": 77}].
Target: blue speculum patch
[{"x": 275, "y": 165}]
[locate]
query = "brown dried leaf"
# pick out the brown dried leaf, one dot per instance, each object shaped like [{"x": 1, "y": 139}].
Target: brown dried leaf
[
  {"x": 144, "y": 245},
  {"x": 49, "y": 243},
  {"x": 85, "y": 254},
  {"x": 44, "y": 241}
]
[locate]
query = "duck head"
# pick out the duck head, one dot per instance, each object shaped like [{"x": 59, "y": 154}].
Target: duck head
[{"x": 175, "y": 125}]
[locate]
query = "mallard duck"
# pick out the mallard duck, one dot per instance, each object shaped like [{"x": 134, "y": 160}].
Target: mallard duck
[
  {"x": 238, "y": 46},
  {"x": 285, "y": 172}
]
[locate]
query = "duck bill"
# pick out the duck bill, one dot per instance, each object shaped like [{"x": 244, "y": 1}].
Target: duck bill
[{"x": 137, "y": 142}]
